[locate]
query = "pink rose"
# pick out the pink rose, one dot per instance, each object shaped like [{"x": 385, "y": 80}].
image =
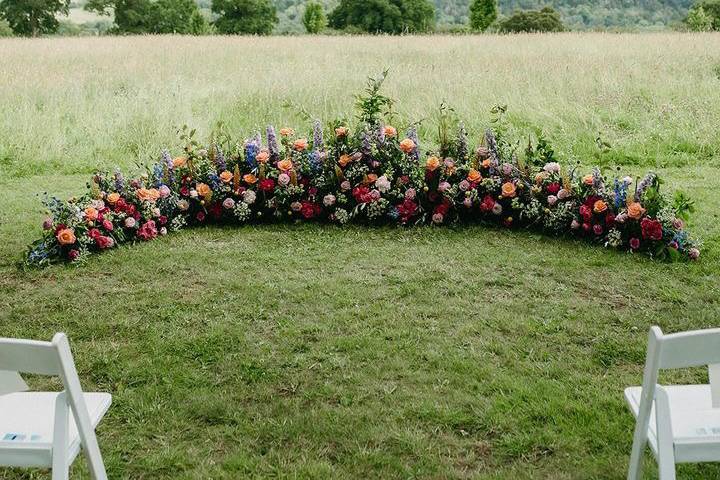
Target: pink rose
[
  {"x": 497, "y": 209},
  {"x": 437, "y": 218},
  {"x": 552, "y": 200},
  {"x": 598, "y": 229},
  {"x": 410, "y": 193},
  {"x": 345, "y": 185},
  {"x": 73, "y": 255},
  {"x": 228, "y": 203},
  {"x": 283, "y": 179},
  {"x": 164, "y": 191},
  {"x": 464, "y": 185},
  {"x": 634, "y": 243},
  {"x": 443, "y": 186},
  {"x": 694, "y": 253},
  {"x": 296, "y": 206},
  {"x": 107, "y": 225},
  {"x": 104, "y": 242},
  {"x": 467, "y": 202},
  {"x": 678, "y": 223},
  {"x": 130, "y": 222},
  {"x": 163, "y": 231},
  {"x": 375, "y": 194},
  {"x": 562, "y": 194},
  {"x": 329, "y": 200},
  {"x": 575, "y": 225},
  {"x": 47, "y": 224}
]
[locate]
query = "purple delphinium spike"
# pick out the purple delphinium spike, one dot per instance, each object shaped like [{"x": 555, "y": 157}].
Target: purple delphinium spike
[
  {"x": 167, "y": 159},
  {"x": 273, "y": 147},
  {"x": 648, "y": 180},
  {"x": 598, "y": 181},
  {"x": 220, "y": 159},
  {"x": 366, "y": 145},
  {"x": 492, "y": 147},
  {"x": 380, "y": 134},
  {"x": 462, "y": 146},
  {"x": 258, "y": 140},
  {"x": 318, "y": 143},
  {"x": 412, "y": 135},
  {"x": 119, "y": 181}
]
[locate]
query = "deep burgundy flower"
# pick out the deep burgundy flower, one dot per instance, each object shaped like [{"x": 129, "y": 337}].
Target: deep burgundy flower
[
  {"x": 267, "y": 185},
  {"x": 406, "y": 209},
  {"x": 651, "y": 229},
  {"x": 94, "y": 233},
  {"x": 162, "y": 219},
  {"x": 609, "y": 219},
  {"x": 553, "y": 188},
  {"x": 634, "y": 243},
  {"x": 309, "y": 209},
  {"x": 184, "y": 191},
  {"x": 598, "y": 229},
  {"x": 215, "y": 210},
  {"x": 200, "y": 216},
  {"x": 73, "y": 255}
]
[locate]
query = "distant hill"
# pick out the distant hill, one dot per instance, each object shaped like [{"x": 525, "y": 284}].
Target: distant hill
[{"x": 577, "y": 14}]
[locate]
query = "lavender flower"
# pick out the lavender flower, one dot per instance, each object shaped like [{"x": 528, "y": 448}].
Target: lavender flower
[
  {"x": 493, "y": 149},
  {"x": 598, "y": 181},
  {"x": 119, "y": 181},
  {"x": 461, "y": 144},
  {"x": 273, "y": 147},
  {"x": 220, "y": 159},
  {"x": 380, "y": 135},
  {"x": 412, "y": 135},
  {"x": 318, "y": 143},
  {"x": 167, "y": 159},
  {"x": 366, "y": 146},
  {"x": 648, "y": 180}
]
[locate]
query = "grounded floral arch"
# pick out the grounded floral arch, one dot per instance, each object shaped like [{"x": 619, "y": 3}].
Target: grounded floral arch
[{"x": 368, "y": 174}]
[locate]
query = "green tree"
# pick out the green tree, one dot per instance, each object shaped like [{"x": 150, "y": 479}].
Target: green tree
[
  {"x": 482, "y": 14},
  {"x": 386, "y": 16},
  {"x": 146, "y": 16},
  {"x": 699, "y": 21},
  {"x": 314, "y": 18},
  {"x": 5, "y": 30},
  {"x": 545, "y": 20},
  {"x": 705, "y": 8},
  {"x": 31, "y": 18},
  {"x": 257, "y": 17}
]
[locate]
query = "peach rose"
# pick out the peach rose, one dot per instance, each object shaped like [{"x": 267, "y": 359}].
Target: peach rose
[
  {"x": 487, "y": 163},
  {"x": 635, "y": 210},
  {"x": 287, "y": 132},
  {"x": 113, "y": 198},
  {"x": 341, "y": 131},
  {"x": 263, "y": 156},
  {"x": 66, "y": 236},
  {"x": 600, "y": 206},
  {"x": 300, "y": 144},
  {"x": 344, "y": 160},
  {"x": 474, "y": 176},
  {"x": 508, "y": 189},
  {"x": 407, "y": 145},
  {"x": 91, "y": 214},
  {"x": 249, "y": 178},
  {"x": 226, "y": 176},
  {"x": 371, "y": 178},
  {"x": 179, "y": 162},
  {"x": 285, "y": 165},
  {"x": 203, "y": 189},
  {"x": 588, "y": 179},
  {"x": 390, "y": 131},
  {"x": 432, "y": 163},
  {"x": 148, "y": 194}
]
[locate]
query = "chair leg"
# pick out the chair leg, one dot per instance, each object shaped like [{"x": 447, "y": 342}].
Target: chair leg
[
  {"x": 636, "y": 458},
  {"x": 666, "y": 469},
  {"x": 60, "y": 465}
]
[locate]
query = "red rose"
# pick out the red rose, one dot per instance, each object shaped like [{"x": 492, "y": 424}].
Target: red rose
[
  {"x": 553, "y": 188},
  {"x": 107, "y": 225},
  {"x": 148, "y": 231},
  {"x": 267, "y": 185},
  {"x": 309, "y": 209},
  {"x": 585, "y": 212},
  {"x": 94, "y": 233},
  {"x": 651, "y": 229},
  {"x": 487, "y": 204},
  {"x": 184, "y": 191},
  {"x": 120, "y": 205},
  {"x": 104, "y": 242},
  {"x": 406, "y": 209}
]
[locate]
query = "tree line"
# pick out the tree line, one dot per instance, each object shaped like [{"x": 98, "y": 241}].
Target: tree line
[{"x": 260, "y": 17}]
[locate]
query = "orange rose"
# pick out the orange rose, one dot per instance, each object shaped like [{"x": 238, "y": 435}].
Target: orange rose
[
  {"x": 487, "y": 163},
  {"x": 390, "y": 131},
  {"x": 635, "y": 210},
  {"x": 113, "y": 198},
  {"x": 66, "y": 236},
  {"x": 371, "y": 178},
  {"x": 588, "y": 179},
  {"x": 300, "y": 144},
  {"x": 432, "y": 163},
  {"x": 344, "y": 160},
  {"x": 474, "y": 176},
  {"x": 287, "y": 132},
  {"x": 341, "y": 131},
  {"x": 285, "y": 165},
  {"x": 508, "y": 189},
  {"x": 203, "y": 189},
  {"x": 179, "y": 162},
  {"x": 148, "y": 194},
  {"x": 263, "y": 156},
  {"x": 249, "y": 178},
  {"x": 91, "y": 214},
  {"x": 407, "y": 145},
  {"x": 600, "y": 206},
  {"x": 226, "y": 176}
]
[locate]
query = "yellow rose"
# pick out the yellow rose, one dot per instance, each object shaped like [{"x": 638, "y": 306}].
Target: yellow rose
[
  {"x": 474, "y": 176},
  {"x": 226, "y": 176},
  {"x": 508, "y": 189},
  {"x": 432, "y": 163},
  {"x": 635, "y": 210},
  {"x": 66, "y": 236},
  {"x": 588, "y": 179}
]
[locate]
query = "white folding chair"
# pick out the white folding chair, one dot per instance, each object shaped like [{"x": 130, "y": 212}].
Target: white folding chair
[
  {"x": 680, "y": 422},
  {"x": 47, "y": 429}
]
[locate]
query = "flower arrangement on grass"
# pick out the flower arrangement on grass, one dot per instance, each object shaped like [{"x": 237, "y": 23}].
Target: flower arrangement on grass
[{"x": 368, "y": 174}]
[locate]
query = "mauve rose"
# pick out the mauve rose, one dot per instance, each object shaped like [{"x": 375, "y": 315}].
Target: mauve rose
[
  {"x": 200, "y": 216},
  {"x": 678, "y": 224},
  {"x": 506, "y": 168},
  {"x": 375, "y": 194},
  {"x": 47, "y": 223},
  {"x": 674, "y": 245},
  {"x": 383, "y": 184},
  {"x": 449, "y": 162},
  {"x": 694, "y": 253},
  {"x": 193, "y": 193},
  {"x": 156, "y": 212},
  {"x": 552, "y": 200},
  {"x": 107, "y": 225},
  {"x": 283, "y": 179},
  {"x": 410, "y": 193},
  {"x": 634, "y": 243},
  {"x": 598, "y": 229},
  {"x": 404, "y": 179},
  {"x": 621, "y": 218},
  {"x": 464, "y": 185},
  {"x": 296, "y": 206},
  {"x": 329, "y": 200},
  {"x": 443, "y": 186},
  {"x": 164, "y": 191},
  {"x": 575, "y": 225},
  {"x": 130, "y": 222},
  {"x": 345, "y": 185},
  {"x": 312, "y": 191},
  {"x": 183, "y": 205},
  {"x": 228, "y": 203},
  {"x": 497, "y": 209},
  {"x": 467, "y": 202},
  {"x": 562, "y": 194},
  {"x": 552, "y": 167},
  {"x": 437, "y": 218},
  {"x": 74, "y": 254}
]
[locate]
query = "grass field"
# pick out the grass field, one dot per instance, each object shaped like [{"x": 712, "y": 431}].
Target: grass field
[{"x": 321, "y": 352}]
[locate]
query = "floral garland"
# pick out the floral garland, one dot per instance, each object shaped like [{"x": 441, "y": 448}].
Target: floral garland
[{"x": 371, "y": 176}]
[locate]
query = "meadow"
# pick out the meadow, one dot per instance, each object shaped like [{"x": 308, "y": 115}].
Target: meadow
[{"x": 324, "y": 352}]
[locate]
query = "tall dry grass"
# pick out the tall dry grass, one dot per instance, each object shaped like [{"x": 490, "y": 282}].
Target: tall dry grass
[{"x": 73, "y": 104}]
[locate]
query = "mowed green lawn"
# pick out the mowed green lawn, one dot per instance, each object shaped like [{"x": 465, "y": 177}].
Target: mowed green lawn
[{"x": 324, "y": 352}]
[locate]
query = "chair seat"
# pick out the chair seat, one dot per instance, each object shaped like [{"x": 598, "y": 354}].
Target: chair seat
[
  {"x": 27, "y": 424},
  {"x": 695, "y": 424}
]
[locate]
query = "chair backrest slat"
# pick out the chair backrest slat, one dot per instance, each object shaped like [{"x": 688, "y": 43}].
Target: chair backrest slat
[
  {"x": 29, "y": 356},
  {"x": 690, "y": 349}
]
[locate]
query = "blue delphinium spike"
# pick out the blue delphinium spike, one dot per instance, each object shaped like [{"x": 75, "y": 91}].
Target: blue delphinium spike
[
  {"x": 158, "y": 174},
  {"x": 251, "y": 150},
  {"x": 318, "y": 143},
  {"x": 273, "y": 147}
]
